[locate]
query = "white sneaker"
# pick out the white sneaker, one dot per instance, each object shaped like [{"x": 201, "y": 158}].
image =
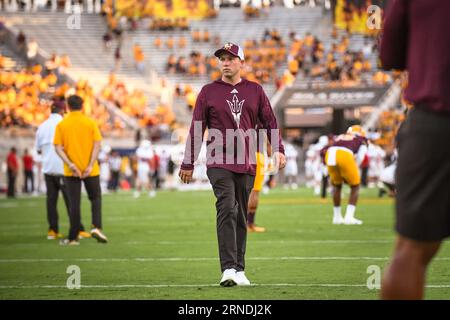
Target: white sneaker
[
  {"x": 352, "y": 221},
  {"x": 228, "y": 278},
  {"x": 136, "y": 194},
  {"x": 241, "y": 279},
  {"x": 152, "y": 194},
  {"x": 338, "y": 220},
  {"x": 97, "y": 234},
  {"x": 67, "y": 242}
]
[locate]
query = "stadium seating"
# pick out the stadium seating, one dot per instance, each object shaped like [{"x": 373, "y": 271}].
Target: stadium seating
[{"x": 88, "y": 57}]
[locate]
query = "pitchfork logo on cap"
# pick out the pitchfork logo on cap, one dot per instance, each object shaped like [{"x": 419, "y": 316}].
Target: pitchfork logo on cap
[{"x": 231, "y": 48}]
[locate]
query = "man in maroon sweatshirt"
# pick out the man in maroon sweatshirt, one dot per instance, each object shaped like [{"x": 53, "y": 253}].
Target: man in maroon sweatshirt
[
  {"x": 231, "y": 108},
  {"x": 416, "y": 38}
]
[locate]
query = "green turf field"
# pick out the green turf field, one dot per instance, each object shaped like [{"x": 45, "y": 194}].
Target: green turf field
[{"x": 166, "y": 248}]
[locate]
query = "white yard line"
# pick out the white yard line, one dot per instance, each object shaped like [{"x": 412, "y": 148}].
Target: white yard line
[
  {"x": 114, "y": 286},
  {"x": 269, "y": 242},
  {"x": 183, "y": 259},
  {"x": 170, "y": 242}
]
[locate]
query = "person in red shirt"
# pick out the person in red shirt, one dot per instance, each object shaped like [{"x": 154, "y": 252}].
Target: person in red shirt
[
  {"x": 28, "y": 172},
  {"x": 364, "y": 170},
  {"x": 13, "y": 168}
]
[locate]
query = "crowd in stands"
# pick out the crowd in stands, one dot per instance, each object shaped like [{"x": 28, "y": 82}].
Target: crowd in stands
[
  {"x": 353, "y": 16},
  {"x": 262, "y": 59},
  {"x": 135, "y": 104},
  {"x": 387, "y": 126},
  {"x": 26, "y": 94},
  {"x": 187, "y": 93},
  {"x": 338, "y": 65},
  {"x": 169, "y": 24},
  {"x": 170, "y": 43},
  {"x": 306, "y": 56},
  {"x": 251, "y": 11},
  {"x": 160, "y": 9}
]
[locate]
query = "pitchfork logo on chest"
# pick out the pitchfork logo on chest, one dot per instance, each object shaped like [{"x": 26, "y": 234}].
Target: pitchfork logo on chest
[{"x": 236, "y": 107}]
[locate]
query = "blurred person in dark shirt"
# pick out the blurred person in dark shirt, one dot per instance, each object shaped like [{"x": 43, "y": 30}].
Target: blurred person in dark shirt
[
  {"x": 416, "y": 39},
  {"x": 12, "y": 168}
]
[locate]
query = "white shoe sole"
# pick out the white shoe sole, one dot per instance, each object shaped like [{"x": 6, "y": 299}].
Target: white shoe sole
[
  {"x": 338, "y": 220},
  {"x": 228, "y": 283},
  {"x": 96, "y": 236},
  {"x": 353, "y": 223}
]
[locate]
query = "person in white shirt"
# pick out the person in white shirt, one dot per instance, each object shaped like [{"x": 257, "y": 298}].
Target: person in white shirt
[
  {"x": 376, "y": 163},
  {"x": 53, "y": 169},
  {"x": 144, "y": 155},
  {"x": 103, "y": 160},
  {"x": 37, "y": 171},
  {"x": 291, "y": 169},
  {"x": 115, "y": 164},
  {"x": 163, "y": 167}
]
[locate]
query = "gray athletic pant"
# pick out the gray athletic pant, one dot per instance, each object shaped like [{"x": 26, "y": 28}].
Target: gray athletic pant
[{"x": 232, "y": 191}]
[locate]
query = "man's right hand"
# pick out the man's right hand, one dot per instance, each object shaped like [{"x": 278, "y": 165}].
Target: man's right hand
[
  {"x": 185, "y": 175},
  {"x": 76, "y": 172}
]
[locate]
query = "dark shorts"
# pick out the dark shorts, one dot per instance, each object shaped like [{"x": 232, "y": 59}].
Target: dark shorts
[{"x": 423, "y": 177}]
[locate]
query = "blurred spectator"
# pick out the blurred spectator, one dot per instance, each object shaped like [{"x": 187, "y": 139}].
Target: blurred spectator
[
  {"x": 157, "y": 42},
  {"x": 32, "y": 51},
  {"x": 145, "y": 170},
  {"x": 155, "y": 167},
  {"x": 2, "y": 32},
  {"x": 196, "y": 36},
  {"x": 182, "y": 42},
  {"x": 64, "y": 64},
  {"x": 52, "y": 64},
  {"x": 107, "y": 40},
  {"x": 205, "y": 35},
  {"x": 21, "y": 42},
  {"x": 138, "y": 58},
  {"x": 117, "y": 59},
  {"x": 171, "y": 64},
  {"x": 170, "y": 43},
  {"x": 27, "y": 159},
  {"x": 115, "y": 162},
  {"x": 13, "y": 169},
  {"x": 163, "y": 167}
]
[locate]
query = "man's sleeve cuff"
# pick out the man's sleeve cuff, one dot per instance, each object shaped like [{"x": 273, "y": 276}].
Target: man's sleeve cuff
[{"x": 187, "y": 167}]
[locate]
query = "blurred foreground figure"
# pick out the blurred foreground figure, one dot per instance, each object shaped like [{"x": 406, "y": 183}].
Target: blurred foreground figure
[{"x": 416, "y": 39}]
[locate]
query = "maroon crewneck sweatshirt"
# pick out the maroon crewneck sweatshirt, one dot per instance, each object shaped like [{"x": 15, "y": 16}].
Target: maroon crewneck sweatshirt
[{"x": 231, "y": 114}]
